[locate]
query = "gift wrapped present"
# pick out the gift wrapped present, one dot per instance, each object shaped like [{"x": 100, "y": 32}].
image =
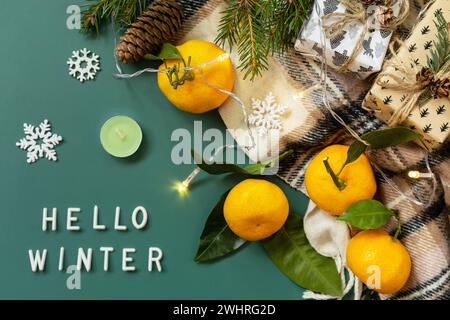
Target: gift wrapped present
[
  {"x": 413, "y": 88},
  {"x": 352, "y": 35}
]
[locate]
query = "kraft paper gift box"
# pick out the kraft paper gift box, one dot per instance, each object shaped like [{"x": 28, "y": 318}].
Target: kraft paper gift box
[
  {"x": 373, "y": 49},
  {"x": 432, "y": 118}
]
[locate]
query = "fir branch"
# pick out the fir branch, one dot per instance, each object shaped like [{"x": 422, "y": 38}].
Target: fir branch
[
  {"x": 259, "y": 28},
  {"x": 124, "y": 11},
  {"x": 243, "y": 17},
  {"x": 287, "y": 18},
  {"x": 440, "y": 54}
]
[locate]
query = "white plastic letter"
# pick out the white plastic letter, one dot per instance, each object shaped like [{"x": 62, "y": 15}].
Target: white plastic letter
[
  {"x": 84, "y": 259},
  {"x": 106, "y": 251},
  {"x": 126, "y": 259},
  {"x": 95, "y": 223},
  {"x": 71, "y": 219},
  {"x": 37, "y": 260},
  {"x": 117, "y": 224},
  {"x": 154, "y": 259},
  {"x": 46, "y": 219},
  {"x": 143, "y": 223},
  {"x": 61, "y": 259}
]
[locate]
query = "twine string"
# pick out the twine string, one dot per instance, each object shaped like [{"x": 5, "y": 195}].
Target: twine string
[
  {"x": 323, "y": 82},
  {"x": 333, "y": 23},
  {"x": 406, "y": 80},
  {"x": 326, "y": 102}
]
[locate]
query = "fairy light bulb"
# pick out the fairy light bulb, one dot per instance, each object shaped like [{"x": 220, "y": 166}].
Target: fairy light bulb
[
  {"x": 183, "y": 186},
  {"x": 414, "y": 174}
]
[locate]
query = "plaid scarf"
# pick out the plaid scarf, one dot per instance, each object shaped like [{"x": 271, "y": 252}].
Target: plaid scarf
[{"x": 425, "y": 230}]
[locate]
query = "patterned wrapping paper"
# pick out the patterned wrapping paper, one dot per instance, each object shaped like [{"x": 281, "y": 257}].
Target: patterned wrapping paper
[
  {"x": 433, "y": 118},
  {"x": 338, "y": 49},
  {"x": 425, "y": 230}
]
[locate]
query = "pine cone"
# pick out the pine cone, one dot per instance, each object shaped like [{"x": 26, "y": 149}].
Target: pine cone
[
  {"x": 384, "y": 15},
  {"x": 441, "y": 88},
  {"x": 157, "y": 24},
  {"x": 425, "y": 76}
]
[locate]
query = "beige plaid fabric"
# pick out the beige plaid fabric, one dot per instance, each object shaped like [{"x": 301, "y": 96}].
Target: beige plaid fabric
[{"x": 426, "y": 231}]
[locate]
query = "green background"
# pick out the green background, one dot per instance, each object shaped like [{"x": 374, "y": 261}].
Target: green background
[{"x": 35, "y": 85}]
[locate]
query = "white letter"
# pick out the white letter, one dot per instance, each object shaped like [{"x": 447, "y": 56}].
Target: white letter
[
  {"x": 74, "y": 281},
  {"x": 37, "y": 261},
  {"x": 198, "y": 137},
  {"x": 71, "y": 219},
  {"x": 61, "y": 259},
  {"x": 95, "y": 223},
  {"x": 106, "y": 251},
  {"x": 156, "y": 259},
  {"x": 211, "y": 152},
  {"x": 374, "y": 280},
  {"x": 46, "y": 219},
  {"x": 84, "y": 259},
  {"x": 144, "y": 218},
  {"x": 181, "y": 152},
  {"x": 74, "y": 20},
  {"x": 117, "y": 225},
  {"x": 126, "y": 259}
]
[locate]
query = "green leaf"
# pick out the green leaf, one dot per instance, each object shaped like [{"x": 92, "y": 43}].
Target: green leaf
[
  {"x": 367, "y": 214},
  {"x": 291, "y": 252},
  {"x": 168, "y": 51},
  {"x": 217, "y": 239},
  {"x": 379, "y": 139},
  {"x": 356, "y": 149},
  {"x": 384, "y": 138},
  {"x": 253, "y": 169}
]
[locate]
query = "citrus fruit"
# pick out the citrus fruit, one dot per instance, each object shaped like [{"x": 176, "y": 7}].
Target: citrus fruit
[
  {"x": 379, "y": 260},
  {"x": 199, "y": 95},
  {"x": 358, "y": 178},
  {"x": 255, "y": 209}
]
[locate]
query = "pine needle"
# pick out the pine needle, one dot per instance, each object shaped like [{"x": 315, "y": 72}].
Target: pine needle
[
  {"x": 441, "y": 52},
  {"x": 124, "y": 11},
  {"x": 259, "y": 28}
]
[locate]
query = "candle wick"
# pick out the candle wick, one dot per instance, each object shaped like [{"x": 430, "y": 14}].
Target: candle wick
[{"x": 120, "y": 133}]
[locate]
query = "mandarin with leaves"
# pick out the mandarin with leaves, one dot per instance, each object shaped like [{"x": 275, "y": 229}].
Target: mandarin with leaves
[
  {"x": 380, "y": 261},
  {"x": 199, "y": 89},
  {"x": 255, "y": 209},
  {"x": 351, "y": 183}
]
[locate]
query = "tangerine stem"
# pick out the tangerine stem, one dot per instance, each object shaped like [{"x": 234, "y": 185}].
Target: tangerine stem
[
  {"x": 338, "y": 182},
  {"x": 399, "y": 225}
]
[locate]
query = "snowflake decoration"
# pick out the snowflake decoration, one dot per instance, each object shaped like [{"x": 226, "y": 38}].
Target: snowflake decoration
[
  {"x": 266, "y": 114},
  {"x": 39, "y": 142},
  {"x": 83, "y": 65}
]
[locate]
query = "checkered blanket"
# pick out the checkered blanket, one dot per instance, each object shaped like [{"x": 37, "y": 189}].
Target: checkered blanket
[{"x": 425, "y": 229}]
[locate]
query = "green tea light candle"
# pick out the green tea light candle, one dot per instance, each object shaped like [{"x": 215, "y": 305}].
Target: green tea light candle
[{"x": 121, "y": 136}]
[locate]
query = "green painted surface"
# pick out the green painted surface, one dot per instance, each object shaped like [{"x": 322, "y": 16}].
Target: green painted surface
[{"x": 35, "y": 85}]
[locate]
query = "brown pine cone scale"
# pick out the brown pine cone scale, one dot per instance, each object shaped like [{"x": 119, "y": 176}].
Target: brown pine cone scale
[
  {"x": 441, "y": 88},
  {"x": 156, "y": 25}
]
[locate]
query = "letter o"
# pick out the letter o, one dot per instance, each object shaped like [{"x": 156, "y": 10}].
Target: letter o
[{"x": 143, "y": 223}]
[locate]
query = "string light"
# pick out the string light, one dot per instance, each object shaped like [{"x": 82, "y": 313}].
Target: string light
[
  {"x": 183, "y": 187},
  {"x": 414, "y": 174}
]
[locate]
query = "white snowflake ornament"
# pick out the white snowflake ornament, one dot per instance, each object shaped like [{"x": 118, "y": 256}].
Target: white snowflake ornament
[
  {"x": 83, "y": 65},
  {"x": 266, "y": 114},
  {"x": 39, "y": 142}
]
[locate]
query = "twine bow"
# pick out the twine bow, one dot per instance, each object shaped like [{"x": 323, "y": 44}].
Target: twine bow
[
  {"x": 413, "y": 82},
  {"x": 356, "y": 11}
]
